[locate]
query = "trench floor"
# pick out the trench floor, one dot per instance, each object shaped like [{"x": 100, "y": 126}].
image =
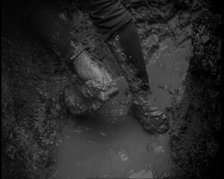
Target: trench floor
[{"x": 112, "y": 144}]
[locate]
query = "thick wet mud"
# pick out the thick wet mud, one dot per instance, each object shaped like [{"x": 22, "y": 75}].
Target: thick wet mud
[{"x": 112, "y": 144}]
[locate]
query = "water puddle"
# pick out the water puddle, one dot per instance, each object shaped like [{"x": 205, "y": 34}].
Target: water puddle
[
  {"x": 167, "y": 71},
  {"x": 98, "y": 148},
  {"x": 115, "y": 145}
]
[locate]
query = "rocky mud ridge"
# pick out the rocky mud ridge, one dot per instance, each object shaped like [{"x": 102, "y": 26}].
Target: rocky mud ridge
[
  {"x": 34, "y": 82},
  {"x": 196, "y": 120}
]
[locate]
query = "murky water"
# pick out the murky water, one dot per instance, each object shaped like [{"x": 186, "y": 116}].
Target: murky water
[
  {"x": 115, "y": 145},
  {"x": 98, "y": 148},
  {"x": 167, "y": 70}
]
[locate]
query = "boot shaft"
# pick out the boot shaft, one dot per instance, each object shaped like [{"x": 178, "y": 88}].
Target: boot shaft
[{"x": 127, "y": 50}]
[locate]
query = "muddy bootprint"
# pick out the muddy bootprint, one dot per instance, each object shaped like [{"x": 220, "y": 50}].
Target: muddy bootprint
[{"x": 145, "y": 110}]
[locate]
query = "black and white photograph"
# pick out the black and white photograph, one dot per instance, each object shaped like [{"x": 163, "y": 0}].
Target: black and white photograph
[{"x": 117, "y": 89}]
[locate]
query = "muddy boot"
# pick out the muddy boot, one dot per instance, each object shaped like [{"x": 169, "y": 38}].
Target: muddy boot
[
  {"x": 126, "y": 49},
  {"x": 55, "y": 29},
  {"x": 145, "y": 109}
]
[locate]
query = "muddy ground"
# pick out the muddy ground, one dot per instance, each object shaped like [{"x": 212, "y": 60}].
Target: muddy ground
[{"x": 181, "y": 45}]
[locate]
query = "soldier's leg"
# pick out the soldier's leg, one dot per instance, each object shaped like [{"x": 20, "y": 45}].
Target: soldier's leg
[
  {"x": 116, "y": 24},
  {"x": 51, "y": 24},
  {"x": 118, "y": 29}
]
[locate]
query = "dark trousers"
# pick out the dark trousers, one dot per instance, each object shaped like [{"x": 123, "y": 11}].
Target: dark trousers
[{"x": 112, "y": 19}]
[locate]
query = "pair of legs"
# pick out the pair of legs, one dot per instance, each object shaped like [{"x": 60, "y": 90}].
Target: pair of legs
[
  {"x": 119, "y": 31},
  {"x": 116, "y": 24}
]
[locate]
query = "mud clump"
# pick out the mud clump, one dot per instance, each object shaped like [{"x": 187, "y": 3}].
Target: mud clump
[
  {"x": 158, "y": 11},
  {"x": 77, "y": 104},
  {"x": 196, "y": 128}
]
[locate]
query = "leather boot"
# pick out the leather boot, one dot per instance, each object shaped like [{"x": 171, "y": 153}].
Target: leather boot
[
  {"x": 127, "y": 50},
  {"x": 144, "y": 108}
]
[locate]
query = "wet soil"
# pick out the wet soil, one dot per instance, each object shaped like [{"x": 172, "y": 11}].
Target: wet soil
[
  {"x": 109, "y": 144},
  {"x": 114, "y": 144}
]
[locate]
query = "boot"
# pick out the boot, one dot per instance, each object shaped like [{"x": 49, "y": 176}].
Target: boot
[
  {"x": 127, "y": 50},
  {"x": 145, "y": 109}
]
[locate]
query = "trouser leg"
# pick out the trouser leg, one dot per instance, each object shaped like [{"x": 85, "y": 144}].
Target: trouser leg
[
  {"x": 127, "y": 50},
  {"x": 126, "y": 47},
  {"x": 119, "y": 31},
  {"x": 121, "y": 35}
]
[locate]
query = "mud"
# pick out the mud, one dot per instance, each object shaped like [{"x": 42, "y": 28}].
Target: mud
[
  {"x": 114, "y": 144},
  {"x": 196, "y": 129},
  {"x": 111, "y": 143}
]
